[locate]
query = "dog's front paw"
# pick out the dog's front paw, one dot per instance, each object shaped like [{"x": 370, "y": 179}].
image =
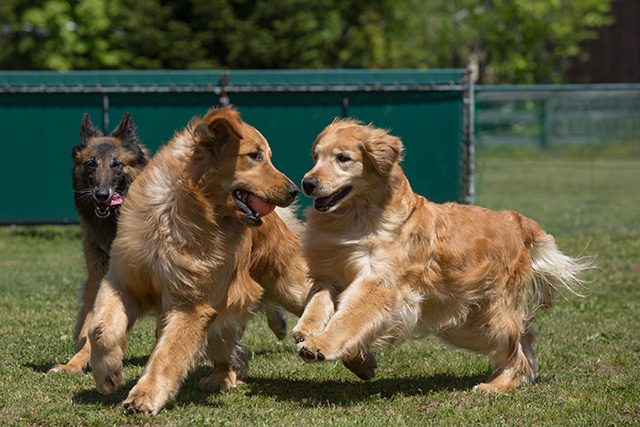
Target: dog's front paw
[
  {"x": 488, "y": 389},
  {"x": 220, "y": 381},
  {"x": 298, "y": 336},
  {"x": 306, "y": 330},
  {"x": 108, "y": 377},
  {"x": 310, "y": 354},
  {"x": 65, "y": 368},
  {"x": 141, "y": 400},
  {"x": 316, "y": 350}
]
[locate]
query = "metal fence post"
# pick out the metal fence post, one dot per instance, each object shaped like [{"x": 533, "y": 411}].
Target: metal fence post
[
  {"x": 105, "y": 114},
  {"x": 345, "y": 106},
  {"x": 468, "y": 132},
  {"x": 546, "y": 122}
]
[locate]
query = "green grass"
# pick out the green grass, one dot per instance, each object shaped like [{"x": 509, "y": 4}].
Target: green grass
[{"x": 588, "y": 349}]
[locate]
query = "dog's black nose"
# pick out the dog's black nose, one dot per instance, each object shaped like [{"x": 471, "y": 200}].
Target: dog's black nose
[
  {"x": 309, "y": 185},
  {"x": 293, "y": 190},
  {"x": 102, "y": 194}
]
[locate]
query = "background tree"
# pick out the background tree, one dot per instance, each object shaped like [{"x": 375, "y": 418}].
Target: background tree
[
  {"x": 58, "y": 34},
  {"x": 528, "y": 41}
]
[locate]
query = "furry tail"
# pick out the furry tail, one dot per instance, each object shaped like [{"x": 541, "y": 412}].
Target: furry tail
[{"x": 554, "y": 272}]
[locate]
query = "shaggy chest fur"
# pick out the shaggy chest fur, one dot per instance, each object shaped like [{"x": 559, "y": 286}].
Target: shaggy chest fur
[
  {"x": 346, "y": 256},
  {"x": 179, "y": 249},
  {"x": 376, "y": 242}
]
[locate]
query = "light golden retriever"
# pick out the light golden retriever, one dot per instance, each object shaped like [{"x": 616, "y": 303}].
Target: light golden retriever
[
  {"x": 388, "y": 264},
  {"x": 197, "y": 242}
]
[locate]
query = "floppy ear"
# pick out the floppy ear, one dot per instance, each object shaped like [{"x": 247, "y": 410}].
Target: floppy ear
[
  {"x": 383, "y": 150},
  {"x": 219, "y": 127},
  {"x": 87, "y": 131}
]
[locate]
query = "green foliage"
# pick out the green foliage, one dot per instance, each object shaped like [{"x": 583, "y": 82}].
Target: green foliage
[
  {"x": 508, "y": 41},
  {"x": 260, "y": 34},
  {"x": 530, "y": 41},
  {"x": 59, "y": 35}
]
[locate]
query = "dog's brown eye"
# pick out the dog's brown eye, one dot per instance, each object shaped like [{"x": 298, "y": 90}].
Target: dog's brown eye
[
  {"x": 343, "y": 158},
  {"x": 116, "y": 164},
  {"x": 91, "y": 163},
  {"x": 257, "y": 156}
]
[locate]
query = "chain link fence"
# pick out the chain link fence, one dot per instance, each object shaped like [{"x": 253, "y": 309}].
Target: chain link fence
[
  {"x": 557, "y": 115},
  {"x": 568, "y": 156}
]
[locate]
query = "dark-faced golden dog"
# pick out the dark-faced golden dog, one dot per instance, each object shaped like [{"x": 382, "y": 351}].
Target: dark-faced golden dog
[
  {"x": 388, "y": 264},
  {"x": 103, "y": 169},
  {"x": 198, "y": 243}
]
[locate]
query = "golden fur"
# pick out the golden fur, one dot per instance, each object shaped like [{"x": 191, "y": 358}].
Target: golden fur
[
  {"x": 388, "y": 264},
  {"x": 191, "y": 246}
]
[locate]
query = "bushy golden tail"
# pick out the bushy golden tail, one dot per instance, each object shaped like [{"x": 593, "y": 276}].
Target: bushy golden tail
[{"x": 554, "y": 272}]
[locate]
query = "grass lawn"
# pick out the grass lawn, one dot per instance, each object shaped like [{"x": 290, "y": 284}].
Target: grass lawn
[{"x": 588, "y": 349}]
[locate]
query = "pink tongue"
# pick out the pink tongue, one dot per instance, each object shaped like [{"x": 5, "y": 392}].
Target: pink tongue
[
  {"x": 259, "y": 206},
  {"x": 116, "y": 199}
]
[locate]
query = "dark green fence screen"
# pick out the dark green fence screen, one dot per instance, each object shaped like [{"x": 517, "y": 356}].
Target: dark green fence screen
[{"x": 41, "y": 112}]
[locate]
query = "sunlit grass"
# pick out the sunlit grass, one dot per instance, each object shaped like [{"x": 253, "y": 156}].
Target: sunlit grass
[{"x": 588, "y": 348}]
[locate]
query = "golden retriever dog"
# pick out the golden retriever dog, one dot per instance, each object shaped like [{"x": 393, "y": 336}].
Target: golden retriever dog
[
  {"x": 199, "y": 244},
  {"x": 388, "y": 264}
]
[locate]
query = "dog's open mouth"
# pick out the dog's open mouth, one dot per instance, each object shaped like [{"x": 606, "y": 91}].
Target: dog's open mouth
[
  {"x": 323, "y": 204},
  {"x": 103, "y": 209},
  {"x": 252, "y": 206}
]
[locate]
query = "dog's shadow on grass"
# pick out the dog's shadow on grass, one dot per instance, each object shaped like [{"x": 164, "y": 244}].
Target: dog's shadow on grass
[
  {"x": 190, "y": 393},
  {"x": 45, "y": 367},
  {"x": 307, "y": 393},
  {"x": 91, "y": 396},
  {"x": 187, "y": 395},
  {"x": 349, "y": 392}
]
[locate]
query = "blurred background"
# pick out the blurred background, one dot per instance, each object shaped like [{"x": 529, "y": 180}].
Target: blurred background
[
  {"x": 516, "y": 42},
  {"x": 554, "y": 85}
]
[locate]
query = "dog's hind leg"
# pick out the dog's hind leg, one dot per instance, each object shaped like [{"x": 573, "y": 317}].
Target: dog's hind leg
[
  {"x": 364, "y": 367},
  {"x": 508, "y": 339},
  {"x": 181, "y": 337},
  {"x": 512, "y": 369},
  {"x": 229, "y": 357},
  {"x": 275, "y": 320},
  {"x": 508, "y": 342}
]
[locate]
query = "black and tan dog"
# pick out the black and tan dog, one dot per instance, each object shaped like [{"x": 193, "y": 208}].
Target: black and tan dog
[{"x": 103, "y": 169}]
